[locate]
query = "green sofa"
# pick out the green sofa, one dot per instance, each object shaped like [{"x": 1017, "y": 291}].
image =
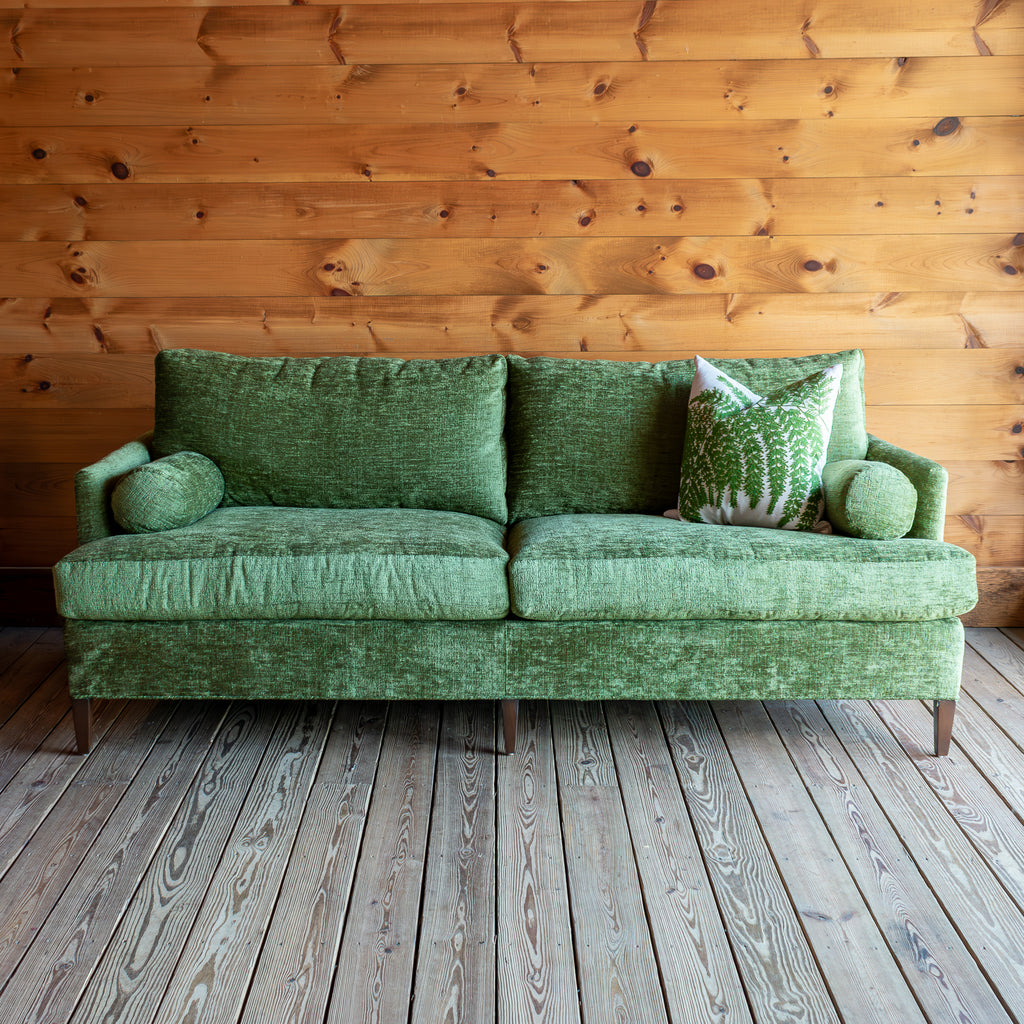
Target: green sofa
[{"x": 482, "y": 528}]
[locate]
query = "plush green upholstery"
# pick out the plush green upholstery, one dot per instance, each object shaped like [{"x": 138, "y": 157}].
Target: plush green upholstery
[
  {"x": 873, "y": 500},
  {"x": 168, "y": 493},
  {"x": 361, "y": 550},
  {"x": 600, "y": 436},
  {"x": 628, "y": 567},
  {"x": 283, "y": 563},
  {"x": 340, "y": 432},
  {"x": 288, "y": 659}
]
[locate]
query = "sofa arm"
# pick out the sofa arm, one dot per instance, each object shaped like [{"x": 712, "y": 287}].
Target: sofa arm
[
  {"x": 95, "y": 484},
  {"x": 929, "y": 479}
]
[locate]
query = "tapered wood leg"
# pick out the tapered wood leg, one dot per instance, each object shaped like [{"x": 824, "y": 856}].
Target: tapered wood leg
[
  {"x": 510, "y": 716},
  {"x": 943, "y": 718},
  {"x": 81, "y": 709}
]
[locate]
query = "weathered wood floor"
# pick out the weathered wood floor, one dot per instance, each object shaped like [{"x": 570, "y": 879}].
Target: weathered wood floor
[{"x": 634, "y": 862}]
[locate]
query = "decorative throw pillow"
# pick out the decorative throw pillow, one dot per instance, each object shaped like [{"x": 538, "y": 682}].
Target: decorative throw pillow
[
  {"x": 167, "y": 493},
  {"x": 753, "y": 461},
  {"x": 872, "y": 500}
]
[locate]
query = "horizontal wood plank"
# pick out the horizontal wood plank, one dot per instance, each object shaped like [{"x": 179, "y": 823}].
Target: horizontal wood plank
[
  {"x": 1000, "y": 597},
  {"x": 39, "y": 489},
  {"x": 77, "y": 32},
  {"x": 533, "y": 93},
  {"x": 956, "y": 433},
  {"x": 126, "y": 380},
  {"x": 509, "y": 209},
  {"x": 30, "y": 540},
  {"x": 567, "y": 266},
  {"x": 641, "y": 326},
  {"x": 993, "y": 540},
  {"x": 985, "y": 488},
  {"x": 646, "y": 149}
]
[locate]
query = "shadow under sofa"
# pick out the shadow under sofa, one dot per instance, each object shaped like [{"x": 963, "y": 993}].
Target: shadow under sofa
[{"x": 490, "y": 528}]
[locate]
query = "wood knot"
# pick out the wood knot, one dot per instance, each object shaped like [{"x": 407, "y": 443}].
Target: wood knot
[
  {"x": 813, "y": 265},
  {"x": 600, "y": 88},
  {"x": 81, "y": 201},
  {"x": 946, "y": 126},
  {"x": 39, "y": 154},
  {"x": 521, "y": 323},
  {"x": 1018, "y": 239},
  {"x": 119, "y": 170},
  {"x": 335, "y": 292},
  {"x": 704, "y": 271},
  {"x": 1009, "y": 270},
  {"x": 641, "y": 168}
]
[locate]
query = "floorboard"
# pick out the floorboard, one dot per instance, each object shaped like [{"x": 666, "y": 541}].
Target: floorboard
[{"x": 788, "y": 862}]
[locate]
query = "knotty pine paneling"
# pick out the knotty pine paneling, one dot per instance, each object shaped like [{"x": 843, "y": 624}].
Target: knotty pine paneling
[
  {"x": 511, "y": 209},
  {"x": 635, "y": 326},
  {"x": 471, "y": 266},
  {"x": 68, "y": 32},
  {"x": 599, "y": 179},
  {"x": 374, "y": 94},
  {"x": 788, "y": 148}
]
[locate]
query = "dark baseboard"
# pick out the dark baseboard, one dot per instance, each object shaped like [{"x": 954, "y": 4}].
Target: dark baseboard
[
  {"x": 26, "y": 597},
  {"x": 1000, "y": 597}
]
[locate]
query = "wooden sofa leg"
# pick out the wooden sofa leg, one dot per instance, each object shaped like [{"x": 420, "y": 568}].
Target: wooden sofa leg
[
  {"x": 510, "y": 716},
  {"x": 943, "y": 719},
  {"x": 81, "y": 710}
]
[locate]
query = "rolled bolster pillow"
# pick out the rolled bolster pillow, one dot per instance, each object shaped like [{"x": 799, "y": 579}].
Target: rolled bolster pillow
[
  {"x": 871, "y": 500},
  {"x": 167, "y": 493}
]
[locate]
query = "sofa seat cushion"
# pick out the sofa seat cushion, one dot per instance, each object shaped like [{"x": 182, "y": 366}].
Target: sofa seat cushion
[
  {"x": 283, "y": 563},
  {"x": 635, "y": 567}
]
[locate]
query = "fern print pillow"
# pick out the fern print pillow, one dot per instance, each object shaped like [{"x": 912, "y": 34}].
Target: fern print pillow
[{"x": 753, "y": 461}]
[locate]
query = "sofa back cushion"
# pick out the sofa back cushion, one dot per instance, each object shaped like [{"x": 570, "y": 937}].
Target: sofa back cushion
[
  {"x": 340, "y": 432},
  {"x": 605, "y": 437}
]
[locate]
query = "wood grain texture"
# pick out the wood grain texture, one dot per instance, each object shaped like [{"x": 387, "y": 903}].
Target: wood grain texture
[
  {"x": 535, "y": 965},
  {"x": 125, "y": 381},
  {"x": 933, "y": 957},
  {"x": 229, "y": 930},
  {"x": 72, "y": 32},
  {"x": 667, "y": 149},
  {"x": 67, "y": 947},
  {"x": 623, "y": 326},
  {"x": 36, "y": 880},
  {"x": 378, "y": 946},
  {"x": 993, "y": 540},
  {"x": 566, "y": 266},
  {"x": 858, "y": 966},
  {"x": 771, "y": 950},
  {"x": 44, "y": 778},
  {"x": 534, "y": 93},
  {"x": 293, "y": 978},
  {"x": 951, "y": 432},
  {"x": 128, "y": 985},
  {"x": 457, "y": 924},
  {"x": 1000, "y": 597},
  {"x": 985, "y": 488},
  {"x": 510, "y": 209},
  {"x": 958, "y": 875},
  {"x": 615, "y": 960},
  {"x": 697, "y": 970},
  {"x": 991, "y": 691},
  {"x": 992, "y": 827}
]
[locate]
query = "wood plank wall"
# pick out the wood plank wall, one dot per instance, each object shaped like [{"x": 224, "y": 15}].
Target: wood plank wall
[{"x": 613, "y": 178}]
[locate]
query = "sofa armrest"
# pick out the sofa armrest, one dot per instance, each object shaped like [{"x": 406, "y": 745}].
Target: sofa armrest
[
  {"x": 929, "y": 479},
  {"x": 95, "y": 484}
]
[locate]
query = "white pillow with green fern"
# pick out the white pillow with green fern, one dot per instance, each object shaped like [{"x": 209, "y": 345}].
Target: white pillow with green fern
[{"x": 753, "y": 461}]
